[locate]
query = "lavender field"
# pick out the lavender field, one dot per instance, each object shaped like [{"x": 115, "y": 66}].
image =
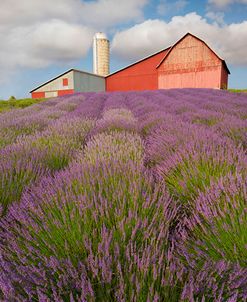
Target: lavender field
[{"x": 137, "y": 196}]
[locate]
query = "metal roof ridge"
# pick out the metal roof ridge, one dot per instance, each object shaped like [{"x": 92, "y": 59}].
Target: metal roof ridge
[
  {"x": 60, "y": 75},
  {"x": 87, "y": 72}
]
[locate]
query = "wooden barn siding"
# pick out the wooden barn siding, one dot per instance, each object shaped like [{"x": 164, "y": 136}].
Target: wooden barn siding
[
  {"x": 190, "y": 64},
  {"x": 141, "y": 76},
  {"x": 38, "y": 95},
  {"x": 65, "y": 92},
  {"x": 57, "y": 84}
]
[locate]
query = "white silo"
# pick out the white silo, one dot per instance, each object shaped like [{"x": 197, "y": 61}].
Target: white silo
[{"x": 101, "y": 54}]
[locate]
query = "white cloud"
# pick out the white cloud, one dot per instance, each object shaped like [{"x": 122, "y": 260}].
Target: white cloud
[
  {"x": 45, "y": 43},
  {"x": 25, "y": 12},
  {"x": 40, "y": 45},
  {"x": 104, "y": 13},
  {"x": 229, "y": 41},
  {"x": 217, "y": 17},
  {"x": 224, "y": 3},
  {"x": 165, "y": 7},
  {"x": 63, "y": 41},
  {"x": 38, "y": 33}
]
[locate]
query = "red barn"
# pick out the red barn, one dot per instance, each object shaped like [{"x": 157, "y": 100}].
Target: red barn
[{"x": 189, "y": 63}]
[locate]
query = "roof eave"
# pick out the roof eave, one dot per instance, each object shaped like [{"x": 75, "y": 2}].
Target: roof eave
[
  {"x": 62, "y": 74},
  {"x": 226, "y": 67},
  {"x": 187, "y": 34},
  {"x": 51, "y": 80},
  {"x": 136, "y": 62}
]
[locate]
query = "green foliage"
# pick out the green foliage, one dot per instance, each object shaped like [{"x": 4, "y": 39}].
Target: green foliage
[
  {"x": 12, "y": 103},
  {"x": 222, "y": 231},
  {"x": 116, "y": 206},
  {"x": 210, "y": 121},
  {"x": 10, "y": 134},
  {"x": 59, "y": 144},
  {"x": 14, "y": 180},
  {"x": 194, "y": 173},
  {"x": 57, "y": 156},
  {"x": 237, "y": 90},
  {"x": 226, "y": 239},
  {"x": 12, "y": 98},
  {"x": 238, "y": 135},
  {"x": 121, "y": 146}
]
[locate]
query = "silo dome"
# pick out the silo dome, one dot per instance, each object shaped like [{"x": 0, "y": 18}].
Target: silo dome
[
  {"x": 101, "y": 54},
  {"x": 100, "y": 35}
]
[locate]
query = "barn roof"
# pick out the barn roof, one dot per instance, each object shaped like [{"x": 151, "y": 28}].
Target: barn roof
[
  {"x": 62, "y": 74},
  {"x": 136, "y": 62},
  {"x": 168, "y": 50},
  {"x": 189, "y": 34}
]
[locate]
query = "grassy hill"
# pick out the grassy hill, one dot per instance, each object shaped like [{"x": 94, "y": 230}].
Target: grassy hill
[
  {"x": 17, "y": 103},
  {"x": 238, "y": 90}
]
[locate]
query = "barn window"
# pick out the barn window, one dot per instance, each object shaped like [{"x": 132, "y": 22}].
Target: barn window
[{"x": 65, "y": 82}]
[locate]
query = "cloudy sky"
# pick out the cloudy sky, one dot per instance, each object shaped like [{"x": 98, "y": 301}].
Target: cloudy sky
[{"x": 42, "y": 38}]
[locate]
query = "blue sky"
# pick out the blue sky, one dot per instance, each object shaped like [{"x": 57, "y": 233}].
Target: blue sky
[{"x": 40, "y": 40}]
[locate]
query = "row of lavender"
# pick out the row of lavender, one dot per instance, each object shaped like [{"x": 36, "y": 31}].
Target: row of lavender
[
  {"x": 44, "y": 138},
  {"x": 149, "y": 203},
  {"x": 203, "y": 167}
]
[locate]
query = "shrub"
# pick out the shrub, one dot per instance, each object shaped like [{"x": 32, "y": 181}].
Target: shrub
[
  {"x": 94, "y": 233},
  {"x": 12, "y": 98},
  {"x": 119, "y": 113},
  {"x": 195, "y": 166},
  {"x": 16, "y": 129},
  {"x": 216, "y": 241},
  {"x": 26, "y": 161},
  {"x": 16, "y": 176},
  {"x": 114, "y": 146},
  {"x": 118, "y": 119},
  {"x": 235, "y": 129},
  {"x": 60, "y": 142}
]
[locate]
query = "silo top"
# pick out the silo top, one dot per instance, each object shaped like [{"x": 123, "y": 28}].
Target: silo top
[{"x": 100, "y": 35}]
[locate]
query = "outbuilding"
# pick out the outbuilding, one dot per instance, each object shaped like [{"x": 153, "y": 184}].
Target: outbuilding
[
  {"x": 69, "y": 82},
  {"x": 189, "y": 63}
]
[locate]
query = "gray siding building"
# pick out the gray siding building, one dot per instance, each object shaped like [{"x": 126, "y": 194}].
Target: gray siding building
[{"x": 70, "y": 82}]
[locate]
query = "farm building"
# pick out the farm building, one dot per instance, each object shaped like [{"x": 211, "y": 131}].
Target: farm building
[
  {"x": 70, "y": 82},
  {"x": 189, "y": 63}
]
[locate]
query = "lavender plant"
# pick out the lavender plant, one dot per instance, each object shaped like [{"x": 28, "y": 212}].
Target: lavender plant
[
  {"x": 235, "y": 129},
  {"x": 216, "y": 240},
  {"x": 61, "y": 140},
  {"x": 118, "y": 119},
  {"x": 25, "y": 162},
  {"x": 16, "y": 176},
  {"x": 94, "y": 238},
  {"x": 119, "y": 113},
  {"x": 14, "y": 129},
  {"x": 120, "y": 146},
  {"x": 194, "y": 167}
]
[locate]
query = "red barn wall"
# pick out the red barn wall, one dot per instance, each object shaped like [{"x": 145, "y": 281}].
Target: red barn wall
[
  {"x": 38, "y": 95},
  {"x": 140, "y": 76},
  {"x": 190, "y": 64},
  {"x": 65, "y": 92}
]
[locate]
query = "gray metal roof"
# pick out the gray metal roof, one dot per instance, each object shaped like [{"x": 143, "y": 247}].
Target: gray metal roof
[{"x": 72, "y": 69}]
